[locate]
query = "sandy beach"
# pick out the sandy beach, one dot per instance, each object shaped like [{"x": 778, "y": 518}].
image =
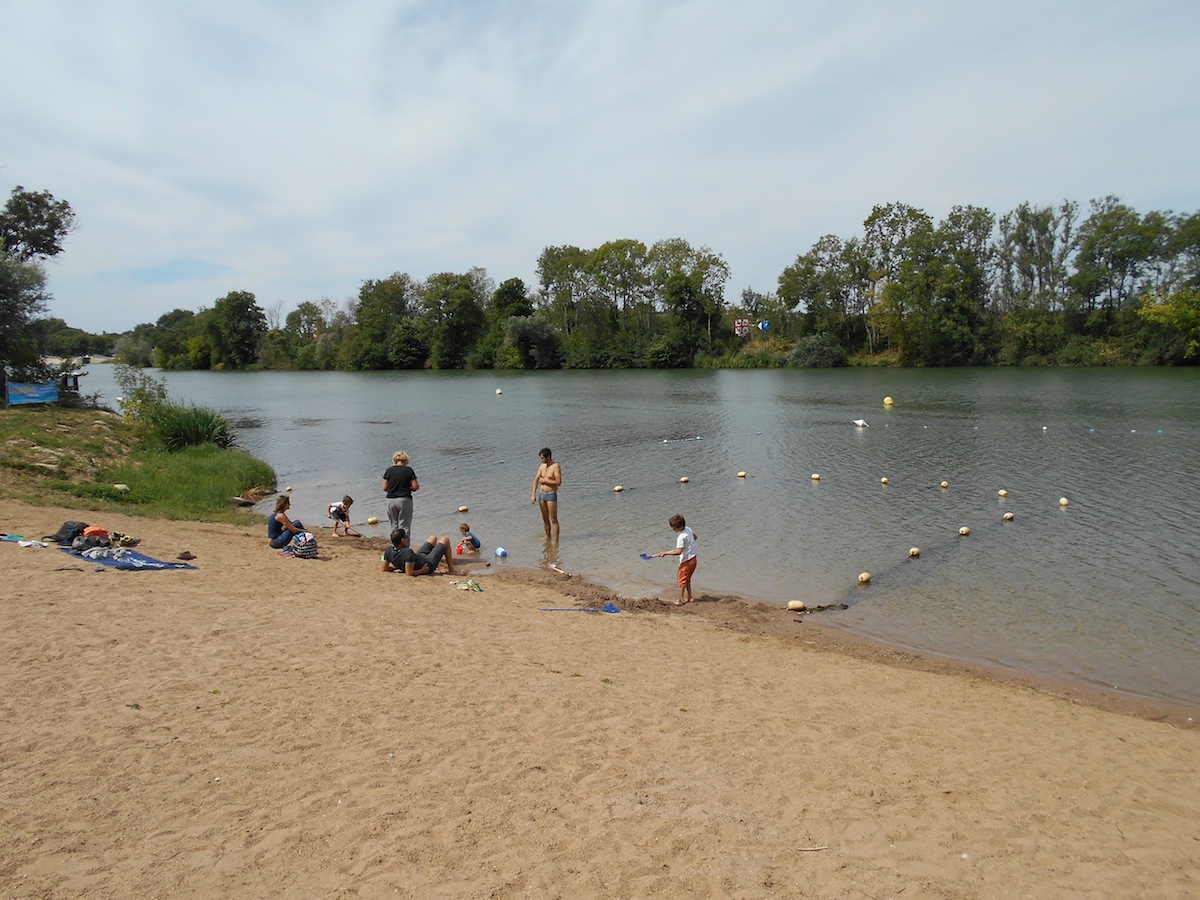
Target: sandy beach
[{"x": 263, "y": 726}]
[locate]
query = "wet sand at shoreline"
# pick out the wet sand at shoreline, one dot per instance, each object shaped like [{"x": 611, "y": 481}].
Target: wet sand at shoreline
[{"x": 263, "y": 725}]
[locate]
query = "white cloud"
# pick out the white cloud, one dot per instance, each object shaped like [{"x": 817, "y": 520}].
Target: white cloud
[{"x": 295, "y": 150}]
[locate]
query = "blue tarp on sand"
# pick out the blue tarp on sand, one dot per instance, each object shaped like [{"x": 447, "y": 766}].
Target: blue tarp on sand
[{"x": 130, "y": 560}]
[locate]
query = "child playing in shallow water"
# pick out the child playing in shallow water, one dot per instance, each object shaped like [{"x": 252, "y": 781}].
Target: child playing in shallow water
[
  {"x": 685, "y": 549},
  {"x": 467, "y": 543},
  {"x": 339, "y": 511}
]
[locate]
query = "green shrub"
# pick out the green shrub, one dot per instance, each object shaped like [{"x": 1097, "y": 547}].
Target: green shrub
[
  {"x": 178, "y": 426},
  {"x": 817, "y": 351},
  {"x": 141, "y": 394}
]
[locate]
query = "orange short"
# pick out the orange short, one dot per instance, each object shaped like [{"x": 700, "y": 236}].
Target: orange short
[{"x": 684, "y": 576}]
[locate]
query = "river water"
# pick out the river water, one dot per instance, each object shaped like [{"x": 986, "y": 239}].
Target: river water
[{"x": 1104, "y": 591}]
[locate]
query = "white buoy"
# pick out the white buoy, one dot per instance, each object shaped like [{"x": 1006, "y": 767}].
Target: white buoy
[
  {"x": 861, "y": 423},
  {"x": 1008, "y": 517},
  {"x": 796, "y": 605},
  {"x": 1002, "y": 492},
  {"x": 374, "y": 520},
  {"x": 617, "y": 489},
  {"x": 741, "y": 474},
  {"x": 1063, "y": 501},
  {"x": 864, "y": 577},
  {"x": 887, "y": 401},
  {"x": 883, "y": 480},
  {"x": 914, "y": 552},
  {"x": 945, "y": 484},
  {"x": 498, "y": 391},
  {"x": 683, "y": 479},
  {"x": 964, "y": 531},
  {"x": 816, "y": 477},
  {"x": 288, "y": 488},
  {"x": 462, "y": 509}
]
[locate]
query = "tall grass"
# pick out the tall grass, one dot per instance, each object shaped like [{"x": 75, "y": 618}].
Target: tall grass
[
  {"x": 178, "y": 426},
  {"x": 195, "y": 481}
]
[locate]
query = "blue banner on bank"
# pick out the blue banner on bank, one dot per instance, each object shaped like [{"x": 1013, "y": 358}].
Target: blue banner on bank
[{"x": 32, "y": 393}]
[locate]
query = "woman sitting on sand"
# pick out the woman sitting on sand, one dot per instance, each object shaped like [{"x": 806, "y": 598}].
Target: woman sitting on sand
[{"x": 279, "y": 528}]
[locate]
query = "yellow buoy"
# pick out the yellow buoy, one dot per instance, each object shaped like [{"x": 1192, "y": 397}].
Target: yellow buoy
[
  {"x": 1008, "y": 517},
  {"x": 887, "y": 401},
  {"x": 864, "y": 577},
  {"x": 945, "y": 484},
  {"x": 964, "y": 531},
  {"x": 741, "y": 474},
  {"x": 1002, "y": 492},
  {"x": 374, "y": 520},
  {"x": 462, "y": 509},
  {"x": 914, "y": 552},
  {"x": 1063, "y": 501},
  {"x": 796, "y": 605},
  {"x": 618, "y": 489},
  {"x": 683, "y": 479},
  {"x": 816, "y": 477},
  {"x": 883, "y": 480}
]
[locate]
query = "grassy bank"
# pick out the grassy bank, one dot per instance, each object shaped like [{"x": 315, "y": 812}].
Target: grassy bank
[{"x": 75, "y": 457}]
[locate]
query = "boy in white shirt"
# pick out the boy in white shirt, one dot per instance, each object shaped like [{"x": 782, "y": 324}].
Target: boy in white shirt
[{"x": 685, "y": 549}]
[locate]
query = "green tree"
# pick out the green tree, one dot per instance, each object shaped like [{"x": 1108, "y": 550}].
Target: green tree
[
  {"x": 33, "y": 225},
  {"x": 235, "y": 326},
  {"x": 510, "y": 299},
  {"x": 563, "y": 279},
  {"x": 380, "y": 307},
  {"x": 1179, "y": 313},
  {"x": 407, "y": 346},
  {"x": 1031, "y": 254},
  {"x": 818, "y": 283},
  {"x": 707, "y": 271},
  {"x": 453, "y": 317},
  {"x": 898, "y": 247},
  {"x": 23, "y": 298},
  {"x": 620, "y": 279},
  {"x": 172, "y": 331},
  {"x": 1115, "y": 247},
  {"x": 951, "y": 328},
  {"x": 54, "y": 337},
  {"x": 532, "y": 343}
]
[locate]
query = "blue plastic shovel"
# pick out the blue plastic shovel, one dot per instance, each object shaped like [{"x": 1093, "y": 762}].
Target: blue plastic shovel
[{"x": 609, "y": 607}]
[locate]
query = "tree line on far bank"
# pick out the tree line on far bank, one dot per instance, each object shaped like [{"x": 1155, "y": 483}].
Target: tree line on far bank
[{"x": 1037, "y": 286}]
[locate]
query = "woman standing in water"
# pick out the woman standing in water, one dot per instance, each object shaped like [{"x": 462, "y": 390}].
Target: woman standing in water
[
  {"x": 545, "y": 491},
  {"x": 399, "y": 482}
]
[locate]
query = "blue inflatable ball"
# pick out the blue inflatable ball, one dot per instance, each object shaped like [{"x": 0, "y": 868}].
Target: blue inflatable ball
[{"x": 500, "y": 551}]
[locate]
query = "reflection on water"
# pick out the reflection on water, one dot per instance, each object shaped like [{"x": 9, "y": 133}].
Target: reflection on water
[{"x": 1104, "y": 590}]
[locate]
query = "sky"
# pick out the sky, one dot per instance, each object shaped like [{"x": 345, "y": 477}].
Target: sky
[{"x": 296, "y": 149}]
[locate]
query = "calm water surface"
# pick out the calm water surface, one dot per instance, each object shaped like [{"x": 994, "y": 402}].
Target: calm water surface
[{"x": 1105, "y": 591}]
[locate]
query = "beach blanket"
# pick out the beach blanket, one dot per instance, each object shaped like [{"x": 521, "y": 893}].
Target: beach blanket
[{"x": 129, "y": 560}]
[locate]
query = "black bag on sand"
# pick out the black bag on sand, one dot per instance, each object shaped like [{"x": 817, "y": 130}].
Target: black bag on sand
[{"x": 68, "y": 532}]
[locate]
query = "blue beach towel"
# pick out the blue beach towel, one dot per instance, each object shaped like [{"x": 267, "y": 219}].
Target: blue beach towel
[{"x": 130, "y": 560}]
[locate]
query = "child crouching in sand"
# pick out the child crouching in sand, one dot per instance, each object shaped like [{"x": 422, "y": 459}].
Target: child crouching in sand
[
  {"x": 685, "y": 549},
  {"x": 467, "y": 543},
  {"x": 339, "y": 511}
]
